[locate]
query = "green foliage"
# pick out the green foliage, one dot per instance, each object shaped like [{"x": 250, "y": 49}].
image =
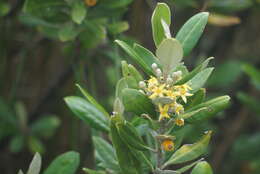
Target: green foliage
[
  {"x": 87, "y": 112},
  {"x": 66, "y": 163},
  {"x": 191, "y": 31},
  {"x": 161, "y": 13}
]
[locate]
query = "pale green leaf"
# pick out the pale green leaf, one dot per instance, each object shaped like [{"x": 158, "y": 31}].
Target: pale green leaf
[
  {"x": 161, "y": 12},
  {"x": 169, "y": 53},
  {"x": 35, "y": 165}
]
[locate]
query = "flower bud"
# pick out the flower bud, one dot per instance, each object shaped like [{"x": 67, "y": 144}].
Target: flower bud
[
  {"x": 158, "y": 72},
  {"x": 154, "y": 66},
  {"x": 169, "y": 80},
  {"x": 176, "y": 75},
  {"x": 142, "y": 84}
]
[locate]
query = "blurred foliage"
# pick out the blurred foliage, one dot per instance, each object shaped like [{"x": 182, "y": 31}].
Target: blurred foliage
[{"x": 44, "y": 42}]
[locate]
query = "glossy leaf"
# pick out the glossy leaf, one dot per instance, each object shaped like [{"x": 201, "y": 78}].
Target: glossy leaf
[
  {"x": 106, "y": 152},
  {"x": 161, "y": 12},
  {"x": 138, "y": 103},
  {"x": 136, "y": 57},
  {"x": 190, "y": 152},
  {"x": 169, "y": 53},
  {"x": 66, "y": 163},
  {"x": 92, "y": 100},
  {"x": 87, "y": 112},
  {"x": 202, "y": 168},
  {"x": 191, "y": 31},
  {"x": 20, "y": 172},
  {"x": 207, "y": 109},
  {"x": 200, "y": 79},
  {"x": 35, "y": 165},
  {"x": 78, "y": 12}
]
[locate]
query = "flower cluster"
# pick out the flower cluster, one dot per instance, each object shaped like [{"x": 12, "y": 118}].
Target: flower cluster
[{"x": 165, "y": 94}]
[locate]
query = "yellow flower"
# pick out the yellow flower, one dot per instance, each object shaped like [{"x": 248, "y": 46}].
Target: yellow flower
[
  {"x": 171, "y": 94},
  {"x": 183, "y": 91},
  {"x": 163, "y": 112},
  {"x": 178, "y": 108},
  {"x": 179, "y": 121},
  {"x": 152, "y": 82},
  {"x": 157, "y": 91},
  {"x": 167, "y": 145}
]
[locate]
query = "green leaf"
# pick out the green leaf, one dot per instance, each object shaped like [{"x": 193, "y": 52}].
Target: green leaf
[
  {"x": 115, "y": 4},
  {"x": 118, "y": 106},
  {"x": 93, "y": 35},
  {"x": 169, "y": 53},
  {"x": 92, "y": 100},
  {"x": 67, "y": 33},
  {"x": 253, "y": 73},
  {"x": 90, "y": 171},
  {"x": 230, "y": 6},
  {"x": 138, "y": 103},
  {"x": 225, "y": 75},
  {"x": 16, "y": 143},
  {"x": 189, "y": 152},
  {"x": 199, "y": 79},
  {"x": 202, "y": 168},
  {"x": 35, "y": 165},
  {"x": 191, "y": 31},
  {"x": 249, "y": 101},
  {"x": 146, "y": 55},
  {"x": 118, "y": 27},
  {"x": 196, "y": 99},
  {"x": 106, "y": 152},
  {"x": 66, "y": 163},
  {"x": 140, "y": 156},
  {"x": 207, "y": 109},
  {"x": 35, "y": 145},
  {"x": 44, "y": 8},
  {"x": 131, "y": 137},
  {"x": 126, "y": 159},
  {"x": 198, "y": 69},
  {"x": 78, "y": 12},
  {"x": 161, "y": 12},
  {"x": 134, "y": 73},
  {"x": 4, "y": 8},
  {"x": 143, "y": 62},
  {"x": 88, "y": 113},
  {"x": 20, "y": 172},
  {"x": 45, "y": 126},
  {"x": 187, "y": 167}
]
